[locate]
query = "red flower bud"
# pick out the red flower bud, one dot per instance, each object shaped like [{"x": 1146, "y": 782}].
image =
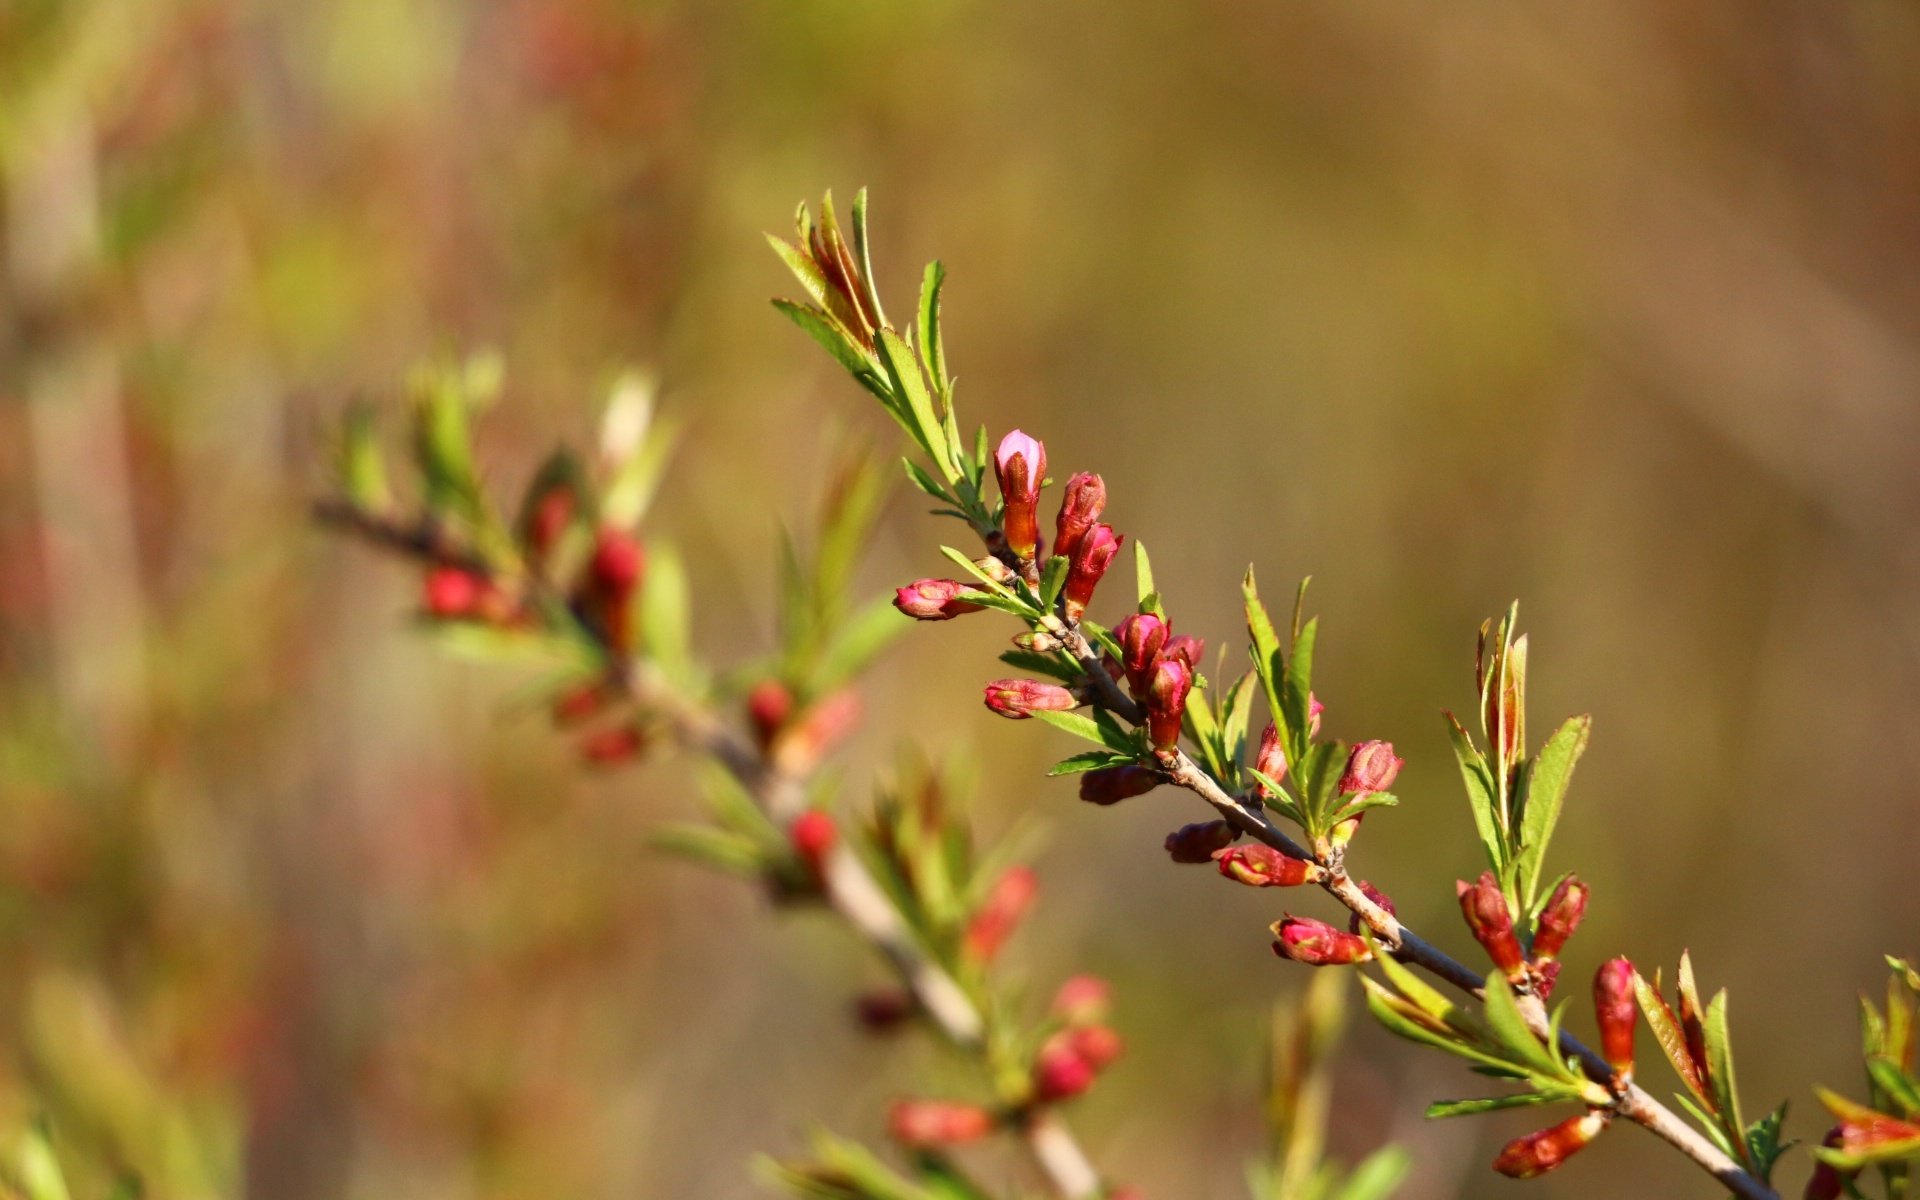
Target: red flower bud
[
  {"x": 1317, "y": 943},
  {"x": 1197, "y": 843},
  {"x": 1021, "y": 466},
  {"x": 1086, "y": 498},
  {"x": 1538, "y": 1153},
  {"x": 1258, "y": 865},
  {"x": 1019, "y": 699},
  {"x": 1272, "y": 760},
  {"x": 1490, "y": 920},
  {"x": 1828, "y": 1182},
  {"x": 1616, "y": 1012},
  {"x": 812, "y": 836},
  {"x": 1140, "y": 636},
  {"x": 1374, "y": 894},
  {"x": 924, "y": 1123},
  {"x": 933, "y": 600},
  {"x": 1090, "y": 561},
  {"x": 610, "y": 747},
  {"x": 1082, "y": 1000},
  {"x": 1559, "y": 918},
  {"x": 884, "y": 1010},
  {"x": 1071, "y": 1060},
  {"x": 454, "y": 593},
  {"x": 1167, "y": 702},
  {"x": 546, "y": 519},
  {"x": 1371, "y": 767},
  {"x": 1187, "y": 648},
  {"x": 1007, "y": 901},
  {"x": 1111, "y": 785},
  {"x": 577, "y": 704},
  {"x": 769, "y": 705},
  {"x": 823, "y": 725},
  {"x": 614, "y": 575}
]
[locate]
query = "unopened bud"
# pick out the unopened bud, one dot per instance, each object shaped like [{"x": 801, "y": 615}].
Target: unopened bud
[
  {"x": 926, "y": 1123},
  {"x": 1272, "y": 759},
  {"x": 1082, "y": 1000},
  {"x": 1371, "y": 767},
  {"x": 1379, "y": 898},
  {"x": 1317, "y": 943},
  {"x": 1082, "y": 505},
  {"x": 1314, "y": 709},
  {"x": 1070, "y": 1061},
  {"x": 1490, "y": 920},
  {"x": 578, "y": 704},
  {"x": 884, "y": 1010},
  {"x": 1258, "y": 865},
  {"x": 1007, "y": 901},
  {"x": 454, "y": 593},
  {"x": 1538, "y": 1153},
  {"x": 546, "y": 519},
  {"x": 812, "y": 836},
  {"x": 1616, "y": 1012},
  {"x": 1111, "y": 785},
  {"x": 1019, "y": 699},
  {"x": 614, "y": 575},
  {"x": 1197, "y": 843},
  {"x": 1140, "y": 636},
  {"x": 1090, "y": 562},
  {"x": 1021, "y": 466},
  {"x": 1559, "y": 918},
  {"x": 1828, "y": 1182},
  {"x": 994, "y": 569},
  {"x": 1167, "y": 702},
  {"x": 1187, "y": 648},
  {"x": 611, "y": 747},
  {"x": 933, "y": 600},
  {"x": 769, "y": 705},
  {"x": 1038, "y": 640}
]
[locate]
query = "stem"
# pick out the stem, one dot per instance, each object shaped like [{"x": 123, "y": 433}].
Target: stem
[{"x": 849, "y": 889}]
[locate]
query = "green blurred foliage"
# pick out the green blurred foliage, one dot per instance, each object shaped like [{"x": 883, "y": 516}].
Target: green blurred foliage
[{"x": 1613, "y": 308}]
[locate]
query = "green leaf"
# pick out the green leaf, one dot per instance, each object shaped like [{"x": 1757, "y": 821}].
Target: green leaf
[
  {"x": 838, "y": 341},
  {"x": 1544, "y": 792},
  {"x": 1267, "y": 662},
  {"x": 858, "y": 641},
  {"x": 1402, "y": 1018},
  {"x": 1441, "y": 1109},
  {"x": 987, "y": 582},
  {"x": 1099, "y": 728},
  {"x": 1297, "y": 690},
  {"x": 1720, "y": 1065},
  {"x": 1509, "y": 1030},
  {"x": 1053, "y": 577},
  {"x": 1377, "y": 1175},
  {"x": 909, "y": 384},
  {"x": 928, "y": 484},
  {"x": 489, "y": 643},
  {"x": 803, "y": 267},
  {"x": 1362, "y": 803},
  {"x": 1420, "y": 993},
  {"x": 1053, "y": 666},
  {"x": 712, "y": 847},
  {"x": 1481, "y": 796},
  {"x": 1667, "y": 1035},
  {"x": 1089, "y": 760},
  {"x": 933, "y": 351},
  {"x": 1899, "y": 1086},
  {"x": 1236, "y": 715},
  {"x": 359, "y": 465},
  {"x": 1143, "y": 573},
  {"x": 863, "y": 255},
  {"x": 666, "y": 610}
]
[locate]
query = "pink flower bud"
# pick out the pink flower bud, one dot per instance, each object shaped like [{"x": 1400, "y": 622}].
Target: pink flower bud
[
  {"x": 1197, "y": 843},
  {"x": 1538, "y": 1153},
  {"x": 1317, "y": 943},
  {"x": 1082, "y": 1000},
  {"x": 926, "y": 1123},
  {"x": 1019, "y": 699},
  {"x": 1086, "y": 498},
  {"x": 1258, "y": 865},
  {"x": 1380, "y": 898},
  {"x": 1272, "y": 760},
  {"x": 933, "y": 600},
  {"x": 1314, "y": 709},
  {"x": 1559, "y": 918},
  {"x": 812, "y": 836},
  {"x": 618, "y": 561},
  {"x": 1111, "y": 785},
  {"x": 1490, "y": 920},
  {"x": 1615, "y": 1011},
  {"x": 1187, "y": 648},
  {"x": 769, "y": 705},
  {"x": 578, "y": 704},
  {"x": 1021, "y": 465},
  {"x": 1371, "y": 767},
  {"x": 454, "y": 593},
  {"x": 883, "y": 1010},
  {"x": 1006, "y": 903},
  {"x": 1167, "y": 692},
  {"x": 1071, "y": 1060},
  {"x": 611, "y": 747},
  {"x": 1090, "y": 561},
  {"x": 1140, "y": 636}
]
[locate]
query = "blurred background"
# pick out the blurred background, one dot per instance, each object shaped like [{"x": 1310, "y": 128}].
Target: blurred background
[{"x": 1612, "y": 308}]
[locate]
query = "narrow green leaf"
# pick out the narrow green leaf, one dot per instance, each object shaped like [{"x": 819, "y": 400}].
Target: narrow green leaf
[
  {"x": 987, "y": 582},
  {"x": 1419, "y": 992},
  {"x": 803, "y": 267},
  {"x": 1441, "y": 1109},
  {"x": 713, "y": 847},
  {"x": 836, "y": 339},
  {"x": 1899, "y": 1086},
  {"x": 1667, "y": 1035},
  {"x": 1053, "y": 577},
  {"x": 1400, "y": 1017},
  {"x": 1544, "y": 792},
  {"x": 933, "y": 351},
  {"x": 1094, "y": 729},
  {"x": 911, "y": 385},
  {"x": 1360, "y": 804},
  {"x": 1089, "y": 760},
  {"x": 863, "y": 255},
  {"x": 1481, "y": 797},
  {"x": 1266, "y": 645},
  {"x": 858, "y": 641},
  {"x": 1377, "y": 1175},
  {"x": 1236, "y": 716},
  {"x": 1143, "y": 572},
  {"x": 1004, "y": 602},
  {"x": 1509, "y": 1029},
  {"x": 1720, "y": 1065},
  {"x": 1297, "y": 691},
  {"x": 1053, "y": 666},
  {"x": 359, "y": 466}
]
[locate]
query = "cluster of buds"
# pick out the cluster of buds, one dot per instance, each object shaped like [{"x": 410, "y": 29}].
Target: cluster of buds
[
  {"x": 1159, "y": 668},
  {"x": 1490, "y": 918},
  {"x": 1089, "y": 547},
  {"x": 1074, "y": 1056},
  {"x": 1000, "y": 913},
  {"x": 1615, "y": 1012}
]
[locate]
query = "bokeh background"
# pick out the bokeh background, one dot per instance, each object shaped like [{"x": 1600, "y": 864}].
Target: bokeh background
[{"x": 1613, "y": 308}]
